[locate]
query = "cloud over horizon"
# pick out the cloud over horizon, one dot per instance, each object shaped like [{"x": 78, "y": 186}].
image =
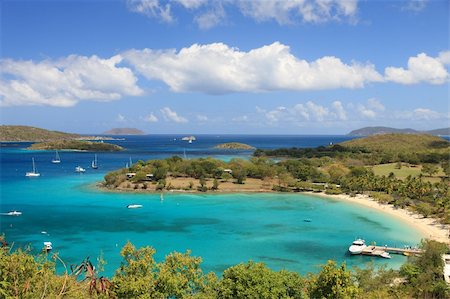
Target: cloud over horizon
[
  {"x": 65, "y": 82},
  {"x": 217, "y": 69},
  {"x": 213, "y": 69}
]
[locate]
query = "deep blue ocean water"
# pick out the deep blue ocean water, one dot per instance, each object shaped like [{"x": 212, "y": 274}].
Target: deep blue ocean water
[{"x": 65, "y": 208}]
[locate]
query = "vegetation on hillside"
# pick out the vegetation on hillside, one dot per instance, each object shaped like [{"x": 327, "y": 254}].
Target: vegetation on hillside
[
  {"x": 76, "y": 145},
  {"x": 180, "y": 275},
  {"x": 367, "y": 131},
  {"x": 26, "y": 133},
  {"x": 332, "y": 176},
  {"x": 235, "y": 146},
  {"x": 377, "y": 149}
]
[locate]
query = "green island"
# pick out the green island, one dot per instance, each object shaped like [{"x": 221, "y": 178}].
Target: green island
[
  {"x": 32, "y": 134},
  {"x": 234, "y": 146},
  {"x": 363, "y": 166},
  {"x": 180, "y": 275},
  {"x": 78, "y": 145}
]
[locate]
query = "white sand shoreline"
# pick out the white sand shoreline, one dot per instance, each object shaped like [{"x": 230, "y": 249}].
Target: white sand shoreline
[{"x": 430, "y": 228}]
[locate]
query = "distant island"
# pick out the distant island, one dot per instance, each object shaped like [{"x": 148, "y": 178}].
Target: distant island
[
  {"x": 367, "y": 131},
  {"x": 32, "y": 134},
  {"x": 235, "y": 146},
  {"x": 124, "y": 131},
  {"x": 78, "y": 145}
]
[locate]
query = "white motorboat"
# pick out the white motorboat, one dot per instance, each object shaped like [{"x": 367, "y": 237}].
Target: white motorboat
[
  {"x": 134, "y": 206},
  {"x": 57, "y": 159},
  {"x": 47, "y": 246},
  {"x": 33, "y": 173},
  {"x": 385, "y": 255},
  {"x": 13, "y": 213},
  {"x": 357, "y": 246},
  {"x": 79, "y": 169}
]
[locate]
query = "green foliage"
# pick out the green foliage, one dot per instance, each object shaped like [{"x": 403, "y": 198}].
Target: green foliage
[
  {"x": 333, "y": 282},
  {"x": 135, "y": 277},
  {"x": 255, "y": 280},
  {"x": 215, "y": 185},
  {"x": 26, "y": 133},
  {"x": 81, "y": 145},
  {"x": 429, "y": 169},
  {"x": 424, "y": 272},
  {"x": 180, "y": 275},
  {"x": 235, "y": 146}
]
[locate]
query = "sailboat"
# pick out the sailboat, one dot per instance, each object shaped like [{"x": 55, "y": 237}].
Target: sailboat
[
  {"x": 94, "y": 162},
  {"x": 33, "y": 173},
  {"x": 57, "y": 159}
]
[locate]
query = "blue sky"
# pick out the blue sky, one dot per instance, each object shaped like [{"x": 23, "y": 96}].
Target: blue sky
[{"x": 197, "y": 66}]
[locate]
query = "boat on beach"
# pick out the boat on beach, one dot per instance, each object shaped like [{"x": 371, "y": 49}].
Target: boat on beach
[
  {"x": 33, "y": 173},
  {"x": 357, "y": 246},
  {"x": 79, "y": 169},
  {"x": 133, "y": 206}
]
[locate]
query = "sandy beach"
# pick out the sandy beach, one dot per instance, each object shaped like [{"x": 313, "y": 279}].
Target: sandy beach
[{"x": 429, "y": 227}]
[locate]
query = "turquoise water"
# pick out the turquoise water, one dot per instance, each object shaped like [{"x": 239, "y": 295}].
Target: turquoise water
[{"x": 224, "y": 229}]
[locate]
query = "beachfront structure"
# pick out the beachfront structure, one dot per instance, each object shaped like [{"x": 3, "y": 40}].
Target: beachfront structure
[{"x": 446, "y": 258}]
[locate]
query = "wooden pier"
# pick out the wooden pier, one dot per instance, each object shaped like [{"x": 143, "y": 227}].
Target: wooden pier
[{"x": 380, "y": 251}]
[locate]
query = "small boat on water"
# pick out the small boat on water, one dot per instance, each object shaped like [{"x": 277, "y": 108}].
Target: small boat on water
[
  {"x": 47, "y": 247},
  {"x": 57, "y": 159},
  {"x": 33, "y": 173},
  {"x": 94, "y": 162},
  {"x": 12, "y": 213},
  {"x": 357, "y": 246},
  {"x": 80, "y": 169},
  {"x": 134, "y": 206},
  {"x": 385, "y": 255}
]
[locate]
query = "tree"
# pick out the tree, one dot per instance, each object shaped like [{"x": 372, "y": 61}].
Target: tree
[
  {"x": 333, "y": 282},
  {"x": 136, "y": 275},
  {"x": 424, "y": 272},
  {"x": 446, "y": 168},
  {"x": 215, "y": 185},
  {"x": 255, "y": 280},
  {"x": 180, "y": 276},
  {"x": 429, "y": 169},
  {"x": 202, "y": 186}
]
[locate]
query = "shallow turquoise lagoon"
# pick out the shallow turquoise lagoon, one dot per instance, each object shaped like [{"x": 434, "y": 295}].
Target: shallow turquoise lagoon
[{"x": 225, "y": 229}]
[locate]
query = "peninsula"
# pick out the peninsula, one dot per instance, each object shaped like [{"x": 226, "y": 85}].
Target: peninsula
[
  {"x": 78, "y": 145},
  {"x": 235, "y": 146},
  {"x": 417, "y": 173},
  {"x": 32, "y": 134}
]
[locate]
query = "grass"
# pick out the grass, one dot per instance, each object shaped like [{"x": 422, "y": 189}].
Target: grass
[{"x": 406, "y": 170}]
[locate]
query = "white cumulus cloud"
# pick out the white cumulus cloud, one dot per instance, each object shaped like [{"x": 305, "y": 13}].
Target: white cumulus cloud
[
  {"x": 121, "y": 118},
  {"x": 65, "y": 82},
  {"x": 170, "y": 115},
  {"x": 151, "y": 118},
  {"x": 152, "y": 9},
  {"x": 289, "y": 11},
  {"x": 421, "y": 68},
  {"x": 217, "y": 69}
]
